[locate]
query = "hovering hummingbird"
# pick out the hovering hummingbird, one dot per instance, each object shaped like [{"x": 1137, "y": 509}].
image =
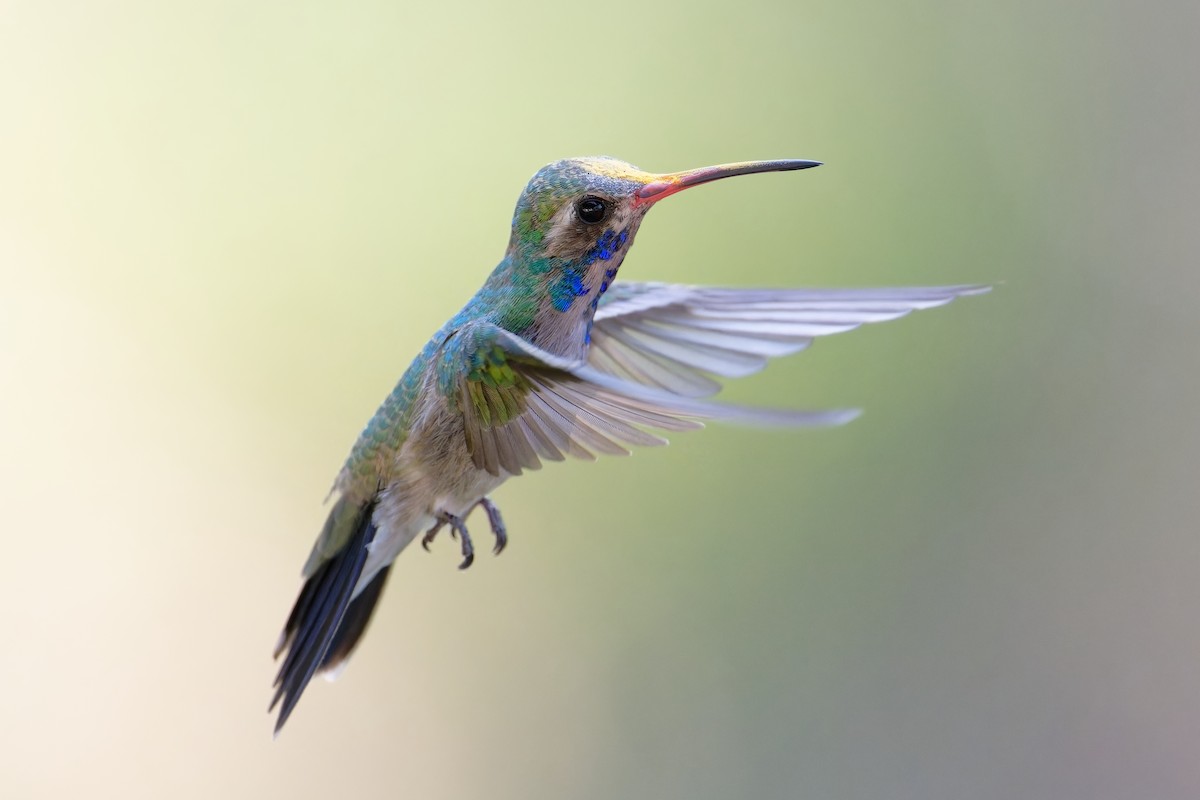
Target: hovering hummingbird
[{"x": 551, "y": 358}]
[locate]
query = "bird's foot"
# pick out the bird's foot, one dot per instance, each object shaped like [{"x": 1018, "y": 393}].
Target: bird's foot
[
  {"x": 458, "y": 529},
  {"x": 497, "y": 523}
]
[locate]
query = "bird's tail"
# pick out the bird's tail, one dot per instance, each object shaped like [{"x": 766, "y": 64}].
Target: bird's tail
[{"x": 328, "y": 619}]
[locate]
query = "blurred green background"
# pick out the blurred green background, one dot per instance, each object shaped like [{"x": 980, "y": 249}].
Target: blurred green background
[{"x": 225, "y": 228}]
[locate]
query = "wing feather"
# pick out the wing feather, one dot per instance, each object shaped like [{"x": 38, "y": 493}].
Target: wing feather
[
  {"x": 545, "y": 406},
  {"x": 611, "y": 356},
  {"x": 673, "y": 337}
]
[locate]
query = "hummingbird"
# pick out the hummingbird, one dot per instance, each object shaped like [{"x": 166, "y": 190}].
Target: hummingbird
[{"x": 552, "y": 357}]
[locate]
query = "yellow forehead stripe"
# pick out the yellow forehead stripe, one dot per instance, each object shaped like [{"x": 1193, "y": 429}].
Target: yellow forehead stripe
[{"x": 618, "y": 170}]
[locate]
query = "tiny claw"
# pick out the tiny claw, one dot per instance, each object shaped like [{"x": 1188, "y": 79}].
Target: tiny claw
[
  {"x": 431, "y": 534},
  {"x": 459, "y": 531},
  {"x": 497, "y": 523}
]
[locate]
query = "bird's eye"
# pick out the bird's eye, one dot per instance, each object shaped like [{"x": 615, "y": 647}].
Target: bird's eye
[{"x": 592, "y": 209}]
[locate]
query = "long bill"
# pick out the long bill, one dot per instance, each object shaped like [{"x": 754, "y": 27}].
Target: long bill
[{"x": 670, "y": 183}]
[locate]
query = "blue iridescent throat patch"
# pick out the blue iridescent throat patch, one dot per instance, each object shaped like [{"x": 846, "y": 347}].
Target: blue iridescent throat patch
[{"x": 571, "y": 286}]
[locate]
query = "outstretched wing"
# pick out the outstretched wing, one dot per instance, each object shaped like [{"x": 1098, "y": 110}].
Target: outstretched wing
[
  {"x": 521, "y": 404},
  {"x": 673, "y": 337}
]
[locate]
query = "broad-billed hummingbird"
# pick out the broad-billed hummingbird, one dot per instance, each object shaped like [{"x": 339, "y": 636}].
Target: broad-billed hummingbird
[{"x": 551, "y": 358}]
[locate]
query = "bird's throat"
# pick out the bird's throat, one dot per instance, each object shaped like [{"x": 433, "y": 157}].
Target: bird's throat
[{"x": 573, "y": 291}]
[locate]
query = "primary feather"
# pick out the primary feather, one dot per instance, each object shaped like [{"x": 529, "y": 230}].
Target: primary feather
[{"x": 669, "y": 336}]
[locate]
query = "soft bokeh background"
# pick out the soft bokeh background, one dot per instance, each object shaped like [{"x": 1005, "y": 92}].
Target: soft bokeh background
[{"x": 226, "y": 227}]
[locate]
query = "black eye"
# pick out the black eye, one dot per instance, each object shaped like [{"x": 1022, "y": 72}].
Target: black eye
[{"x": 591, "y": 209}]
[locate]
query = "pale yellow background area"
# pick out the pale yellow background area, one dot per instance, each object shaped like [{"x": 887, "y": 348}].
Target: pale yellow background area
[{"x": 225, "y": 228}]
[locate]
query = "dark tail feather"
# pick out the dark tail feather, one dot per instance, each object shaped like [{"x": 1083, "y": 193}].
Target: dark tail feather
[
  {"x": 322, "y": 605},
  {"x": 354, "y": 623}
]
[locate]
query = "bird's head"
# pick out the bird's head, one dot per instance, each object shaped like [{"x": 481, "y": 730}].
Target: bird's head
[
  {"x": 584, "y": 210},
  {"x": 572, "y": 227}
]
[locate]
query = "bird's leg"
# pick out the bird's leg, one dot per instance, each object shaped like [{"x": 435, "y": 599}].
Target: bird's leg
[
  {"x": 457, "y": 530},
  {"x": 497, "y": 523}
]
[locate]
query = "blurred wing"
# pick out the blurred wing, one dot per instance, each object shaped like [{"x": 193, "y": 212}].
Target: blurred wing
[
  {"x": 674, "y": 337},
  {"x": 521, "y": 404}
]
